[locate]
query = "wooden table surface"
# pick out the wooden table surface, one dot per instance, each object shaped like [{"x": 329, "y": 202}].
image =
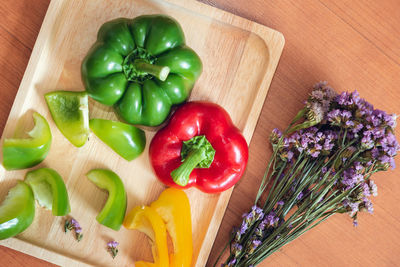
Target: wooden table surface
[{"x": 351, "y": 44}]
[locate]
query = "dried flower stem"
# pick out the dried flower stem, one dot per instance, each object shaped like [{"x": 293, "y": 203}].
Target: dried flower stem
[{"x": 72, "y": 224}]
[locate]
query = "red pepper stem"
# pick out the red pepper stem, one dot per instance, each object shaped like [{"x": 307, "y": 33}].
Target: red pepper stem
[
  {"x": 181, "y": 174},
  {"x": 160, "y": 72}
]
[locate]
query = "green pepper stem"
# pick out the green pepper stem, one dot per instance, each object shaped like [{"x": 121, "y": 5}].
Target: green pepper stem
[
  {"x": 160, "y": 72},
  {"x": 181, "y": 174}
]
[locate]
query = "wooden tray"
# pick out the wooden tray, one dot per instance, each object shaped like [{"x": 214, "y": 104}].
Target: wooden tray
[{"x": 239, "y": 58}]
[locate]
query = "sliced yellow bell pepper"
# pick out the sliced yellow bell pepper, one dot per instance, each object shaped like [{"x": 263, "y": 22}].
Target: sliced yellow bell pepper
[
  {"x": 171, "y": 211},
  {"x": 174, "y": 208},
  {"x": 147, "y": 220}
]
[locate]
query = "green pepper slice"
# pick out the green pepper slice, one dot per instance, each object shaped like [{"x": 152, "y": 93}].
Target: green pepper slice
[
  {"x": 126, "y": 140},
  {"x": 113, "y": 212},
  {"x": 70, "y": 112},
  {"x": 17, "y": 211},
  {"x": 142, "y": 66},
  {"x": 27, "y": 152},
  {"x": 49, "y": 190}
]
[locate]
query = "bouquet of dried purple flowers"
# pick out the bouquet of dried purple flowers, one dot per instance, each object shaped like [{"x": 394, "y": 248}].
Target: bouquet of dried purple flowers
[{"x": 321, "y": 165}]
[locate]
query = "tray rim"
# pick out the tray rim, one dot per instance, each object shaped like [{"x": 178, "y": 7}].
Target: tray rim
[{"x": 203, "y": 9}]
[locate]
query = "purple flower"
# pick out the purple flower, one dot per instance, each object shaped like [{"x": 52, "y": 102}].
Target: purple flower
[
  {"x": 353, "y": 206},
  {"x": 275, "y": 135},
  {"x": 345, "y": 115},
  {"x": 232, "y": 262},
  {"x": 357, "y": 127},
  {"x": 364, "y": 108},
  {"x": 280, "y": 203},
  {"x": 112, "y": 244},
  {"x": 333, "y": 115},
  {"x": 367, "y": 142},
  {"x": 391, "y": 120},
  {"x": 389, "y": 144},
  {"x": 75, "y": 223},
  {"x": 377, "y": 132},
  {"x": 256, "y": 243},
  {"x": 277, "y": 132},
  {"x": 323, "y": 95},
  {"x": 112, "y": 247},
  {"x": 381, "y": 118},
  {"x": 243, "y": 228},
  {"x": 257, "y": 209},
  {"x": 346, "y": 99},
  {"x": 304, "y": 142},
  {"x": 384, "y": 159},
  {"x": 349, "y": 124},
  {"x": 236, "y": 249},
  {"x": 358, "y": 166},
  {"x": 366, "y": 190},
  {"x": 290, "y": 155},
  {"x": 271, "y": 219},
  {"x": 313, "y": 142},
  {"x": 286, "y": 142},
  {"x": 340, "y": 118},
  {"x": 317, "y": 95},
  {"x": 319, "y": 102},
  {"x": 300, "y": 196},
  {"x": 254, "y": 215},
  {"x": 375, "y": 153},
  {"x": 260, "y": 228},
  {"x": 315, "y": 154},
  {"x": 368, "y": 205},
  {"x": 373, "y": 188},
  {"x": 350, "y": 178},
  {"x": 328, "y": 145}
]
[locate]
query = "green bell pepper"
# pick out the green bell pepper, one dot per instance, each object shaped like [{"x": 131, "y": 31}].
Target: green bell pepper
[
  {"x": 17, "y": 211},
  {"x": 142, "y": 67},
  {"x": 28, "y": 152},
  {"x": 49, "y": 190},
  {"x": 70, "y": 112},
  {"x": 126, "y": 140},
  {"x": 113, "y": 212}
]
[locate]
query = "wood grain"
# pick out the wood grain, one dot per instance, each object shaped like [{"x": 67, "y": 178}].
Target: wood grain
[
  {"x": 352, "y": 44},
  {"x": 251, "y": 54}
]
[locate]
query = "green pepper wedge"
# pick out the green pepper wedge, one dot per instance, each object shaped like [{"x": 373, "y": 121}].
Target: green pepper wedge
[
  {"x": 113, "y": 212},
  {"x": 142, "y": 67},
  {"x": 70, "y": 113},
  {"x": 17, "y": 211},
  {"x": 49, "y": 190},
  {"x": 126, "y": 140},
  {"x": 27, "y": 152}
]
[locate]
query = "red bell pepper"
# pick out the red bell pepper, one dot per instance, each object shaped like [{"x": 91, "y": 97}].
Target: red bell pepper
[{"x": 199, "y": 147}]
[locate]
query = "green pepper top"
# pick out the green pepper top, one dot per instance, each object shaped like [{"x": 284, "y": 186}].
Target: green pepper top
[{"x": 142, "y": 67}]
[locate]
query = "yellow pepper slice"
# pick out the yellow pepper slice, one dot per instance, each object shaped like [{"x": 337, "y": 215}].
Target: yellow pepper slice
[
  {"x": 171, "y": 211},
  {"x": 147, "y": 220},
  {"x": 174, "y": 208}
]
